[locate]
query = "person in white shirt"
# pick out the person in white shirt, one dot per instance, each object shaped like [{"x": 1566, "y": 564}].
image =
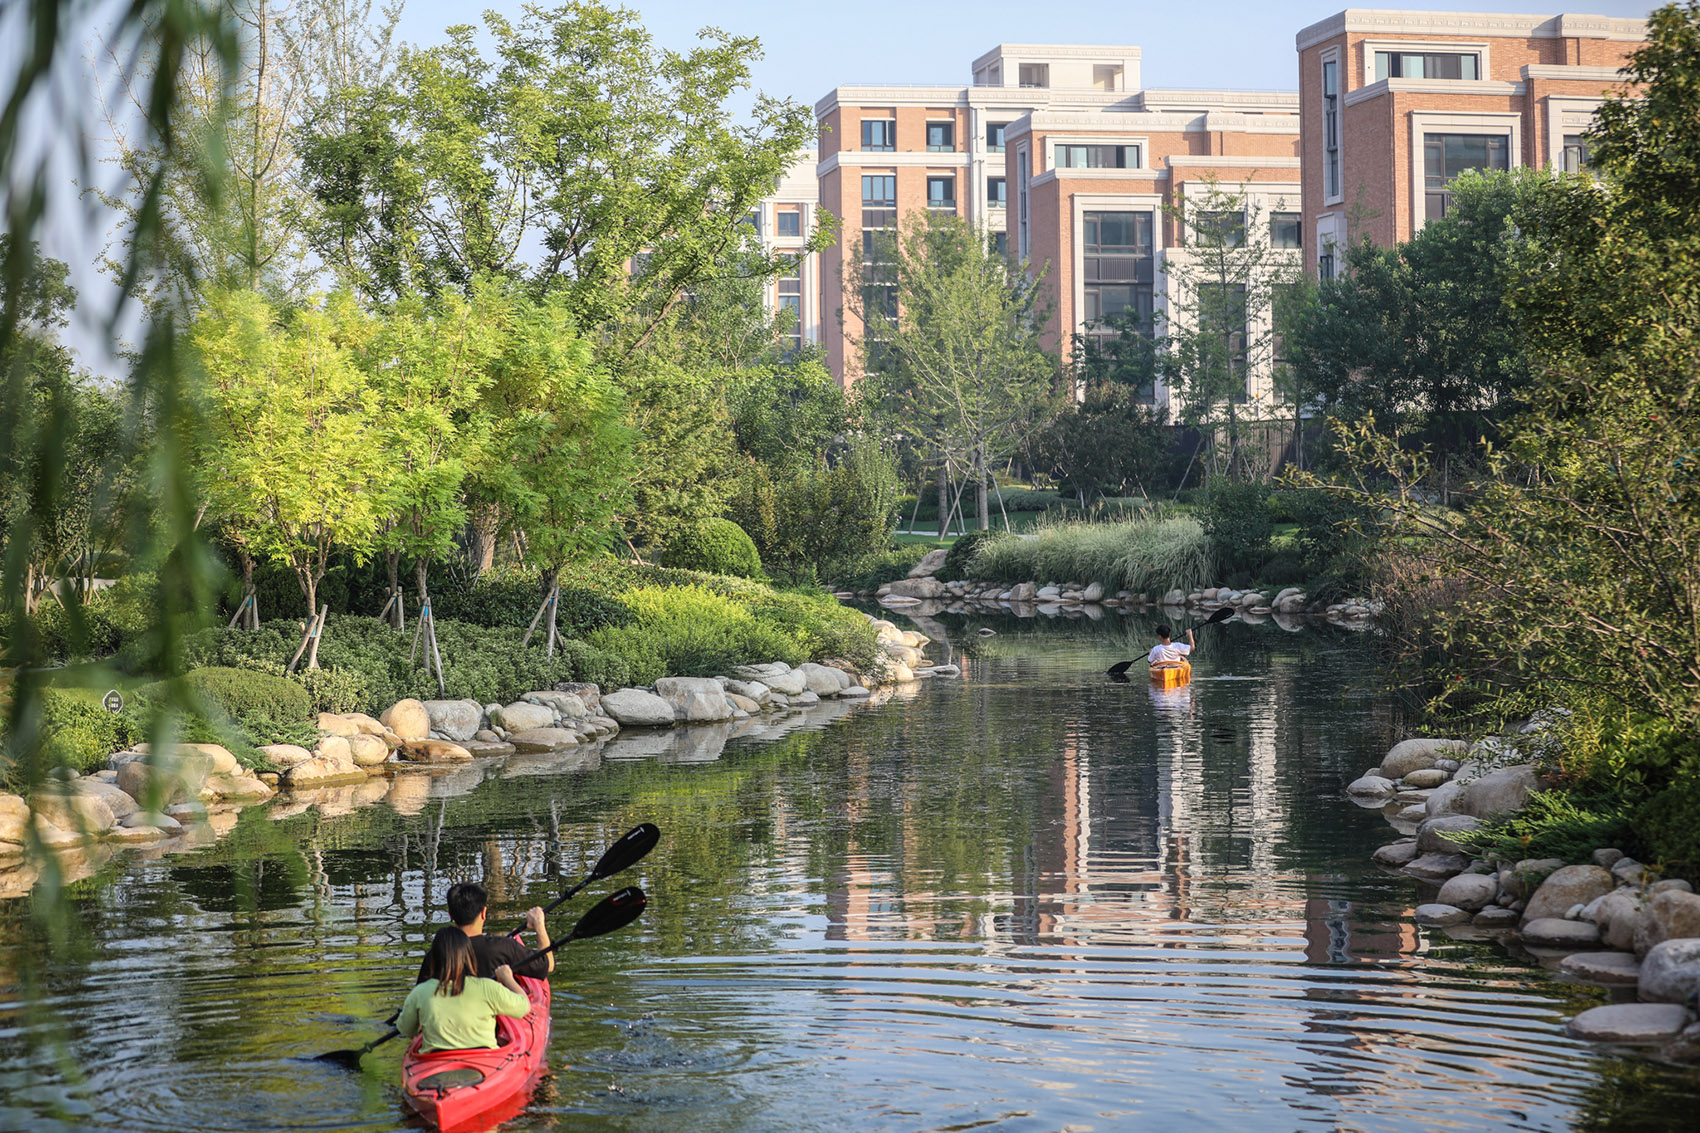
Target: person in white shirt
[{"x": 1167, "y": 652}]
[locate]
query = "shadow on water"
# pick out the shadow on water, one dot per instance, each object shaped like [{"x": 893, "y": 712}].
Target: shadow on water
[{"x": 1031, "y": 898}]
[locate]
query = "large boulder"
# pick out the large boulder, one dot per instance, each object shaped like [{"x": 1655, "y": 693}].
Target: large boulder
[
  {"x": 286, "y": 755},
  {"x": 635, "y": 708},
  {"x": 329, "y": 764},
  {"x": 589, "y": 695},
  {"x": 238, "y": 788},
  {"x": 216, "y": 760},
  {"x": 1415, "y": 755},
  {"x": 1558, "y": 933},
  {"x": 522, "y": 717},
  {"x": 1444, "y": 799},
  {"x": 1670, "y": 915},
  {"x": 697, "y": 700},
  {"x": 1618, "y": 914},
  {"x": 455, "y": 719},
  {"x": 567, "y": 705},
  {"x": 1472, "y": 891},
  {"x": 754, "y": 690},
  {"x": 182, "y": 779},
  {"x": 14, "y": 819},
  {"x": 822, "y": 680},
  {"x": 109, "y": 793},
  {"x": 931, "y": 563},
  {"x": 1371, "y": 787},
  {"x": 408, "y": 719},
  {"x": 1435, "y": 868},
  {"x": 69, "y": 810},
  {"x": 1563, "y": 888},
  {"x": 918, "y": 588},
  {"x": 364, "y": 723},
  {"x": 1670, "y": 972},
  {"x": 1436, "y": 835},
  {"x": 368, "y": 751},
  {"x": 434, "y": 751},
  {"x": 1633, "y": 1023},
  {"x": 543, "y": 739},
  {"x": 332, "y": 724},
  {"x": 1498, "y": 792},
  {"x": 790, "y": 682}
]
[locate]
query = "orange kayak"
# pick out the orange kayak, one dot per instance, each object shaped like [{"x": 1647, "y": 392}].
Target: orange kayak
[
  {"x": 1171, "y": 674},
  {"x": 459, "y": 1091}
]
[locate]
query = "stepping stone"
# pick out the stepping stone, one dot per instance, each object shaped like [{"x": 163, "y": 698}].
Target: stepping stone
[
  {"x": 1641, "y": 1023},
  {"x": 1441, "y": 915},
  {"x": 1496, "y": 916},
  {"x": 1618, "y": 969},
  {"x": 1557, "y": 933}
]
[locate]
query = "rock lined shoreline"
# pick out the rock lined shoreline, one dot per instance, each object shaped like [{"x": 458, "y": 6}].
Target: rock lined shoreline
[
  {"x": 1608, "y": 921},
  {"x": 923, "y": 590},
  {"x": 359, "y": 760}
]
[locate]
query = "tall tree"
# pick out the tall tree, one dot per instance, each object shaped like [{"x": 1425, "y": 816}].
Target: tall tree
[{"x": 954, "y": 340}]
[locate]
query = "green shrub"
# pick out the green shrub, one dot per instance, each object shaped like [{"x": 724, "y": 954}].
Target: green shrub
[
  {"x": 244, "y": 692},
  {"x": 510, "y": 598},
  {"x": 689, "y": 632},
  {"x": 1239, "y": 525},
  {"x": 829, "y": 517},
  {"x": 114, "y": 617},
  {"x": 81, "y": 734},
  {"x": 1667, "y": 829},
  {"x": 1334, "y": 532},
  {"x": 334, "y": 689},
  {"x": 1554, "y": 824},
  {"x": 714, "y": 546},
  {"x": 1150, "y": 554},
  {"x": 872, "y": 573},
  {"x": 959, "y": 561}
]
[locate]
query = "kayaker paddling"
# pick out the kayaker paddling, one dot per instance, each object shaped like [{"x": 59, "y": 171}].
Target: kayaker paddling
[
  {"x": 468, "y": 906},
  {"x": 455, "y": 1008}
]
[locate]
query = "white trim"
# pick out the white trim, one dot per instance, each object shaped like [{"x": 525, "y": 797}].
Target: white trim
[
  {"x": 1435, "y": 86},
  {"x": 1052, "y": 141},
  {"x": 1043, "y": 51},
  {"x": 1370, "y": 46},
  {"x": 1336, "y": 56},
  {"x": 1224, "y": 161},
  {"x": 1505, "y": 125},
  {"x": 1499, "y": 25},
  {"x": 1572, "y": 107},
  {"x": 1052, "y": 175},
  {"x": 1565, "y": 72},
  {"x": 863, "y": 159}
]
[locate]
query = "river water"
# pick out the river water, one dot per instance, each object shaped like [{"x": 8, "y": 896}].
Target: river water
[{"x": 1029, "y": 899}]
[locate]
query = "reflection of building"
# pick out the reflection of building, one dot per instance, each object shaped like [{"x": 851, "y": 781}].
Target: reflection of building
[{"x": 1394, "y": 105}]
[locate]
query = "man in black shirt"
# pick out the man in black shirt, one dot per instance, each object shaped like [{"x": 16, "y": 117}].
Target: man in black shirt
[{"x": 467, "y": 906}]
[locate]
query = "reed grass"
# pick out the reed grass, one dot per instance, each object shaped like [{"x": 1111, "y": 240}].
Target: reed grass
[{"x": 1147, "y": 554}]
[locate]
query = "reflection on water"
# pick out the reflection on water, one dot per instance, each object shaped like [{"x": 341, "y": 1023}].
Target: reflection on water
[{"x": 1033, "y": 898}]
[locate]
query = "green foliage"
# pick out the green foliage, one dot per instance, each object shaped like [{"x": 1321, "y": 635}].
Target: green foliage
[
  {"x": 830, "y": 517},
  {"x": 683, "y": 457},
  {"x": 1554, "y": 824},
  {"x": 1104, "y": 445},
  {"x": 873, "y": 572},
  {"x": 1667, "y": 829},
  {"x": 1238, "y": 524},
  {"x": 785, "y": 415},
  {"x": 715, "y": 546},
  {"x": 959, "y": 560},
  {"x": 509, "y": 598},
  {"x": 80, "y": 732},
  {"x": 119, "y": 614},
  {"x": 1151, "y": 555},
  {"x": 241, "y": 693}
]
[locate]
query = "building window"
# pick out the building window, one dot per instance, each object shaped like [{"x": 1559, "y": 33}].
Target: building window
[
  {"x": 997, "y": 195},
  {"x": 941, "y": 193},
  {"x": 1097, "y": 157},
  {"x": 1023, "y": 175},
  {"x": 1577, "y": 158},
  {"x": 1325, "y": 265},
  {"x": 789, "y": 308},
  {"x": 788, "y": 223},
  {"x": 879, "y": 134},
  {"x": 941, "y": 137},
  {"x": 1219, "y": 228},
  {"x": 1331, "y": 129},
  {"x": 994, "y": 136},
  {"x": 879, "y": 229},
  {"x": 1106, "y": 76},
  {"x": 1425, "y": 65},
  {"x": 1286, "y": 230},
  {"x": 1117, "y": 266},
  {"x": 1034, "y": 74},
  {"x": 1447, "y": 155},
  {"x": 1222, "y": 318},
  {"x": 998, "y": 242}
]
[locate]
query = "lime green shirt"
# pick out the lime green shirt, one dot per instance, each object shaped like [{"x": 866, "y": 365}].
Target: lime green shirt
[{"x": 459, "y": 1022}]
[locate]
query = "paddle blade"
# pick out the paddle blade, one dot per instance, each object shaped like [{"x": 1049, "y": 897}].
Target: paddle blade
[
  {"x": 1221, "y": 615},
  {"x": 347, "y": 1059},
  {"x": 628, "y": 851},
  {"x": 1120, "y": 668},
  {"x": 617, "y": 910}
]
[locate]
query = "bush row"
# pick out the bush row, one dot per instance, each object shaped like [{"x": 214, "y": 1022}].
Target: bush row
[{"x": 1151, "y": 555}]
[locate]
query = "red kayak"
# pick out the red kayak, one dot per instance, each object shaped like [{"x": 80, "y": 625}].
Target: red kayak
[{"x": 460, "y": 1091}]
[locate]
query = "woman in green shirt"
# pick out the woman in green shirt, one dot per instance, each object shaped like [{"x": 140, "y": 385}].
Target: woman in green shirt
[{"x": 456, "y": 1008}]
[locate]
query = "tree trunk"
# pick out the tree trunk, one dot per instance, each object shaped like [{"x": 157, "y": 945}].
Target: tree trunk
[
  {"x": 980, "y": 502},
  {"x": 944, "y": 500},
  {"x": 482, "y": 522},
  {"x": 419, "y": 569}
]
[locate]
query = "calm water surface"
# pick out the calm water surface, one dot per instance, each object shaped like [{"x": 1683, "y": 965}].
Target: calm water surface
[{"x": 1031, "y": 899}]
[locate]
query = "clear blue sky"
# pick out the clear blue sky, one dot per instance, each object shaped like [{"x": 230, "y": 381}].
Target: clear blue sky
[{"x": 1240, "y": 44}]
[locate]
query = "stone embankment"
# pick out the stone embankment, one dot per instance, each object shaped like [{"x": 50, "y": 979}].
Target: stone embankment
[
  {"x": 191, "y": 795},
  {"x": 1608, "y": 920},
  {"x": 928, "y": 594}
]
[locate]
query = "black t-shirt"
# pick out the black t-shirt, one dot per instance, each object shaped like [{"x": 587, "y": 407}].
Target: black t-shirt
[{"x": 494, "y": 951}]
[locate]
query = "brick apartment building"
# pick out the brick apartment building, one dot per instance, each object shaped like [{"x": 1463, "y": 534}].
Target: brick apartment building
[
  {"x": 1061, "y": 158},
  {"x": 1394, "y": 105}
]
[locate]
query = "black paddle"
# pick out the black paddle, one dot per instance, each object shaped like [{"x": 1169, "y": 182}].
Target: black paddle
[
  {"x": 1120, "y": 668},
  {"x": 625, "y": 853},
  {"x": 615, "y": 911}
]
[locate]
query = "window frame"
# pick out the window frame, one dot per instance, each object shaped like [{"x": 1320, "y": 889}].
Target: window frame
[
  {"x": 1297, "y": 222},
  {"x": 1478, "y": 48},
  {"x": 1001, "y": 199},
  {"x": 780, "y": 216},
  {"x": 944, "y": 179},
  {"x": 949, "y": 127},
  {"x": 1508, "y": 125},
  {"x": 1001, "y": 128},
  {"x": 1333, "y": 107},
  {"x": 889, "y": 130}
]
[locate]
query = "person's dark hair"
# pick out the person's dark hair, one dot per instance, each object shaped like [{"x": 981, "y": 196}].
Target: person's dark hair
[
  {"x": 466, "y": 901},
  {"x": 1162, "y": 631},
  {"x": 450, "y": 961}
]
